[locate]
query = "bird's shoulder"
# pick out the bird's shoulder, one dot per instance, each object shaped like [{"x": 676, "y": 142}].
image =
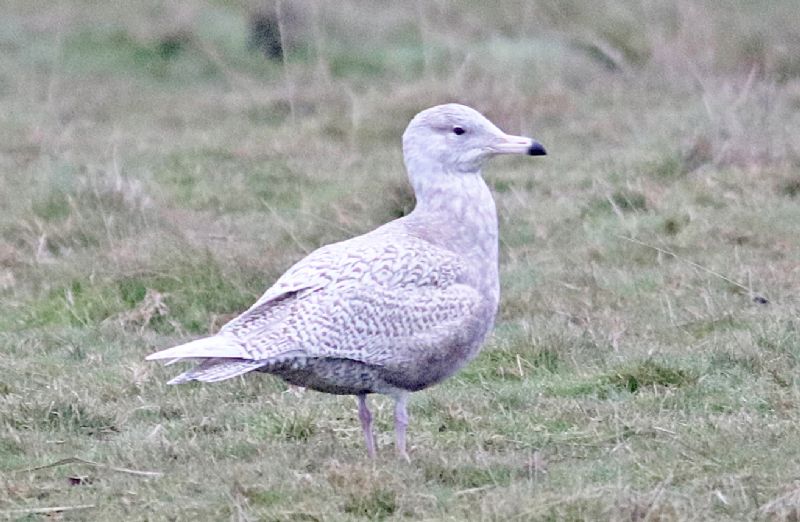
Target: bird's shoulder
[{"x": 387, "y": 258}]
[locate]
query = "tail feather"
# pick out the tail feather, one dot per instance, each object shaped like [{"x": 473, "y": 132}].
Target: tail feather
[
  {"x": 221, "y": 357},
  {"x": 216, "y": 346},
  {"x": 218, "y": 369}
]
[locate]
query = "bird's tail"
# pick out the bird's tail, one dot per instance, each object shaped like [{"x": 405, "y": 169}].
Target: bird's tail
[
  {"x": 222, "y": 358},
  {"x": 215, "y": 370}
]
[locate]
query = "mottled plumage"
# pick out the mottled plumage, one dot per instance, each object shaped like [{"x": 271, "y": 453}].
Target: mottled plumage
[{"x": 395, "y": 310}]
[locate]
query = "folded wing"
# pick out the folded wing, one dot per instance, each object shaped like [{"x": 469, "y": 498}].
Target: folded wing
[{"x": 377, "y": 302}]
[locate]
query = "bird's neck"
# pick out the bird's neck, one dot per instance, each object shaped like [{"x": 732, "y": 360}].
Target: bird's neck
[{"x": 457, "y": 211}]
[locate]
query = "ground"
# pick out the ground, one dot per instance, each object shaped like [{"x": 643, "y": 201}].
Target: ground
[{"x": 161, "y": 163}]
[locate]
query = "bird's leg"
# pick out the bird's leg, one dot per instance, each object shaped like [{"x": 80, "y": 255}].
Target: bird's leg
[
  {"x": 400, "y": 424},
  {"x": 366, "y": 424}
]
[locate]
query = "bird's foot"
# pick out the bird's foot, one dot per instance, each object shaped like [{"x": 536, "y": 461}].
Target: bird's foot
[{"x": 403, "y": 455}]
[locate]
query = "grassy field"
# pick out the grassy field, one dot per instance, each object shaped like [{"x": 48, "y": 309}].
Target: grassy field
[{"x": 158, "y": 171}]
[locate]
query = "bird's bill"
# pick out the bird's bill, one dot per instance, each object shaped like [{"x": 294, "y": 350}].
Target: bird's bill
[{"x": 509, "y": 144}]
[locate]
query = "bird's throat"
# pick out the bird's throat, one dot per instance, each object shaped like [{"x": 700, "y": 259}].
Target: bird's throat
[{"x": 459, "y": 214}]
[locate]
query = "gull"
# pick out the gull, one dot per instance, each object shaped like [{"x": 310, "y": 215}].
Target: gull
[{"x": 395, "y": 310}]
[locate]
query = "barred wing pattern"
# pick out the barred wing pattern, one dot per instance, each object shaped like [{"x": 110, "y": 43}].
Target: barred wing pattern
[
  {"x": 377, "y": 302},
  {"x": 388, "y": 300},
  {"x": 386, "y": 256}
]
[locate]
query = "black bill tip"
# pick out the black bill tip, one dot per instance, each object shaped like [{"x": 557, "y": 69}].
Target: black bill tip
[{"x": 537, "y": 149}]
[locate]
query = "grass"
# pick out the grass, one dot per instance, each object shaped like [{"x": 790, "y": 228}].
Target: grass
[{"x": 158, "y": 170}]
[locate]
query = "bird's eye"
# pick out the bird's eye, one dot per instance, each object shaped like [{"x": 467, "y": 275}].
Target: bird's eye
[{"x": 458, "y": 131}]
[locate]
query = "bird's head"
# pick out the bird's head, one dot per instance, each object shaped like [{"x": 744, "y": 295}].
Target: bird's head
[{"x": 456, "y": 139}]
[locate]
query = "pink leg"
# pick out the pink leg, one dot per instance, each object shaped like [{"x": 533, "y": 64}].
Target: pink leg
[
  {"x": 366, "y": 424},
  {"x": 400, "y": 424}
]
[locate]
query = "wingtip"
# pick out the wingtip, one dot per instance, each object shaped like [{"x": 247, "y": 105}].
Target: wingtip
[
  {"x": 204, "y": 348},
  {"x": 160, "y": 356}
]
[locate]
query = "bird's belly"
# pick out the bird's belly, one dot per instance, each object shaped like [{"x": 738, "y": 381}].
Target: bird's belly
[
  {"x": 336, "y": 376},
  {"x": 349, "y": 377},
  {"x": 430, "y": 369},
  {"x": 427, "y": 368}
]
